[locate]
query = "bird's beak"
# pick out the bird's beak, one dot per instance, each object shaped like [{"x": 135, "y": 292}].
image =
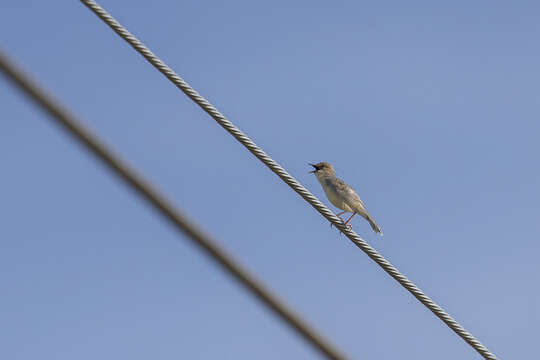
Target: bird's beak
[{"x": 313, "y": 171}]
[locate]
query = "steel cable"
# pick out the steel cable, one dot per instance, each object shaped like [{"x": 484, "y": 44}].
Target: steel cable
[{"x": 287, "y": 178}]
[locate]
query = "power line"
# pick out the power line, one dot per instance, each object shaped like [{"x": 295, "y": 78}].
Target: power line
[
  {"x": 69, "y": 123},
  {"x": 287, "y": 178}
]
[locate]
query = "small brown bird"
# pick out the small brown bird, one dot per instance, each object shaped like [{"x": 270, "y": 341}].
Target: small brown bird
[{"x": 341, "y": 195}]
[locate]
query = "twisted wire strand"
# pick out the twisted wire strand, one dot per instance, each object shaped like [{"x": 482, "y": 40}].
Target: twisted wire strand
[
  {"x": 287, "y": 178},
  {"x": 164, "y": 208}
]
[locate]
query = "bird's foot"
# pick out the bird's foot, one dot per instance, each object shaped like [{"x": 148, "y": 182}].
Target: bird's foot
[
  {"x": 342, "y": 222},
  {"x": 349, "y": 226}
]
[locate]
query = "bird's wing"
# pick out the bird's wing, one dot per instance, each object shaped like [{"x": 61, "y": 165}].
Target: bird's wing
[{"x": 348, "y": 192}]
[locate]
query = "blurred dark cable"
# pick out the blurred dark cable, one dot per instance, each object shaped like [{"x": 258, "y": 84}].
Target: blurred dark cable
[{"x": 69, "y": 123}]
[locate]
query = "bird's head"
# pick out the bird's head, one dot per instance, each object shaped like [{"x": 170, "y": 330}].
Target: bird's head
[{"x": 322, "y": 169}]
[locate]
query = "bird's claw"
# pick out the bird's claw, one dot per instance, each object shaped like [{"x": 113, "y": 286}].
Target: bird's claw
[
  {"x": 342, "y": 222},
  {"x": 349, "y": 226}
]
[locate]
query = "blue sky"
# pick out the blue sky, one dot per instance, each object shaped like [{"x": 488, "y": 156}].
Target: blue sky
[{"x": 430, "y": 110}]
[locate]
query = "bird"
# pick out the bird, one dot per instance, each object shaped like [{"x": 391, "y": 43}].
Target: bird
[{"x": 341, "y": 195}]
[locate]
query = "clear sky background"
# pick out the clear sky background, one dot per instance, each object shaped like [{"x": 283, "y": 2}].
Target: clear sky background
[{"x": 429, "y": 109}]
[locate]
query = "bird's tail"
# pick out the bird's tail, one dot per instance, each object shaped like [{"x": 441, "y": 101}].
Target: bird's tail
[{"x": 374, "y": 226}]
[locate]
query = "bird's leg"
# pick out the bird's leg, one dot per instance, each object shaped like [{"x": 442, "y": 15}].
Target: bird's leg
[
  {"x": 339, "y": 216},
  {"x": 347, "y": 222}
]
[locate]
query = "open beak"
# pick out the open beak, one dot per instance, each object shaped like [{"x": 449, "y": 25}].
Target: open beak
[{"x": 313, "y": 171}]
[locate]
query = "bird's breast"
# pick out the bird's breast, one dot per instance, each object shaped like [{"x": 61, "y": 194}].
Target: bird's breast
[{"x": 330, "y": 189}]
